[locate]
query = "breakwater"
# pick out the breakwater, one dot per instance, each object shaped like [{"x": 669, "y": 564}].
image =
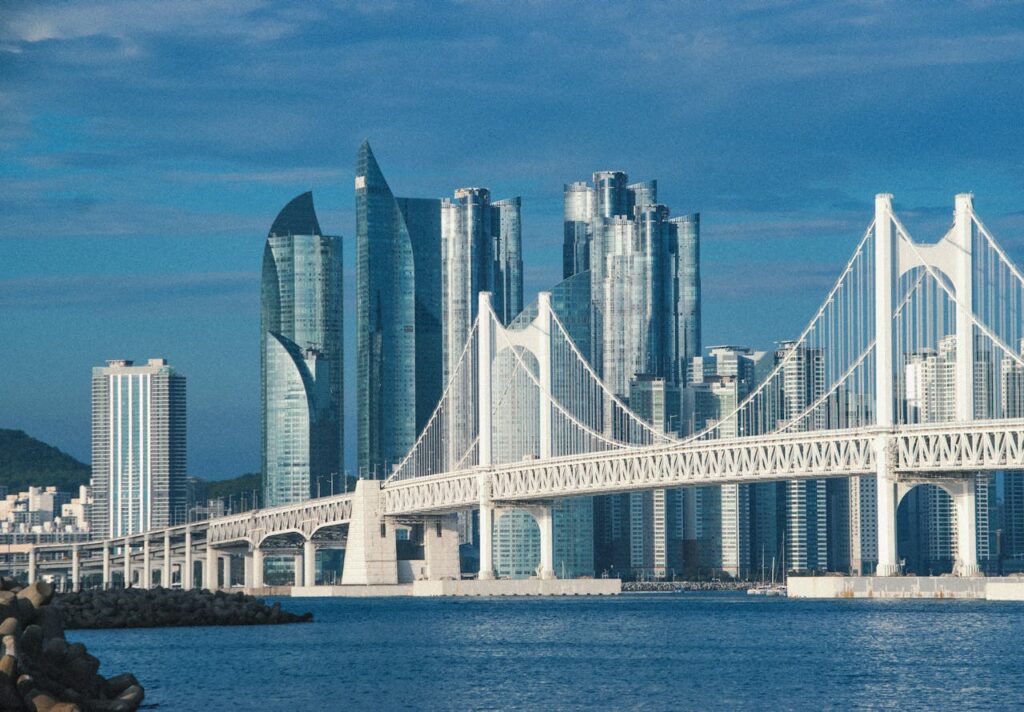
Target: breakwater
[
  {"x": 681, "y": 586},
  {"x": 40, "y": 670},
  {"x": 161, "y": 607}
]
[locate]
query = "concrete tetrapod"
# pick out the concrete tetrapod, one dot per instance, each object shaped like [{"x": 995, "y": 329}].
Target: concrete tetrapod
[
  {"x": 40, "y": 671},
  {"x": 161, "y": 607}
]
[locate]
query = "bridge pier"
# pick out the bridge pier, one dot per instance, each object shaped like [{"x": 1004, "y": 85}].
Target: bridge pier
[
  {"x": 371, "y": 557},
  {"x": 147, "y": 563},
  {"x": 886, "y": 503},
  {"x": 165, "y": 575},
  {"x": 441, "y": 547},
  {"x": 545, "y": 522},
  {"x": 256, "y": 568},
  {"x": 962, "y": 491},
  {"x": 210, "y": 569},
  {"x": 308, "y": 563},
  {"x": 76, "y": 569},
  {"x": 187, "y": 569},
  {"x": 106, "y": 565},
  {"x": 127, "y": 582},
  {"x": 486, "y": 541},
  {"x": 247, "y": 568}
]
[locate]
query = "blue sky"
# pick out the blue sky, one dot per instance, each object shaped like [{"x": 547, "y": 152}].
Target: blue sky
[{"x": 145, "y": 148}]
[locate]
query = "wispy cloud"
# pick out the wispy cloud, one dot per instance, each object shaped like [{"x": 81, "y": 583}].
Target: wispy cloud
[
  {"x": 196, "y": 120},
  {"x": 285, "y": 175},
  {"x": 129, "y": 291},
  {"x": 39, "y": 22}
]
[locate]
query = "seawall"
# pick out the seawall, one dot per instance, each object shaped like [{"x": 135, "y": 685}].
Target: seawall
[
  {"x": 497, "y": 587},
  {"x": 1010, "y": 588}
]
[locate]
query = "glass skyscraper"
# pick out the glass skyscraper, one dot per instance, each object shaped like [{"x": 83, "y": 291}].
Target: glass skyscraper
[
  {"x": 398, "y": 317},
  {"x": 481, "y": 251},
  {"x": 301, "y": 355},
  {"x": 645, "y": 321},
  {"x": 138, "y": 448}
]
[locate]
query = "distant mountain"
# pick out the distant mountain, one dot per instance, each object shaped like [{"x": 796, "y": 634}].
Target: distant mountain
[
  {"x": 235, "y": 486},
  {"x": 25, "y": 462}
]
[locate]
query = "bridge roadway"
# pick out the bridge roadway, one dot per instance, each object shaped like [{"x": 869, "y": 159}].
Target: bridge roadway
[
  {"x": 917, "y": 452},
  {"x": 364, "y": 521}
]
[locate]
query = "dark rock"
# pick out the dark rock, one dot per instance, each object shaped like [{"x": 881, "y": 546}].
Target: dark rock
[
  {"x": 162, "y": 607},
  {"x": 26, "y": 610},
  {"x": 42, "y": 672},
  {"x": 32, "y": 640},
  {"x": 55, "y": 650},
  {"x": 38, "y": 593},
  {"x": 9, "y": 697},
  {"x": 51, "y": 621},
  {"x": 119, "y": 683}
]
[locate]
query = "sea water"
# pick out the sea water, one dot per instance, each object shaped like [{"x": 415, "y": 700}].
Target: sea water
[{"x": 660, "y": 651}]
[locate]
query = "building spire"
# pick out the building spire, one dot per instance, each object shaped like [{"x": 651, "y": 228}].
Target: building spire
[{"x": 297, "y": 217}]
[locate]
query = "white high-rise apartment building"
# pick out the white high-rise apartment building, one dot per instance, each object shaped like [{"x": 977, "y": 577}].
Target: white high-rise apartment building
[
  {"x": 1012, "y": 406},
  {"x": 645, "y": 298},
  {"x": 656, "y": 527},
  {"x": 721, "y": 527},
  {"x": 804, "y": 502},
  {"x": 930, "y": 379},
  {"x": 138, "y": 447},
  {"x": 480, "y": 252}
]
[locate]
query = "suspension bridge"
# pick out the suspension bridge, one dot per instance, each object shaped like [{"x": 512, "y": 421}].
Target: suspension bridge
[{"x": 525, "y": 421}]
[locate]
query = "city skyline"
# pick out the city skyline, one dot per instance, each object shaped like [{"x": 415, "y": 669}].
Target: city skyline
[
  {"x": 694, "y": 366},
  {"x": 180, "y": 240}
]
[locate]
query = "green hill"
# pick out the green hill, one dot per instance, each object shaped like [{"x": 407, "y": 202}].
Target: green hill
[
  {"x": 235, "y": 486},
  {"x": 25, "y": 461},
  {"x": 246, "y": 484}
]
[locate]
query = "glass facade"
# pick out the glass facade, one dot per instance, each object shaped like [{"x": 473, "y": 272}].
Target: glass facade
[
  {"x": 480, "y": 252},
  {"x": 301, "y": 356},
  {"x": 398, "y": 317},
  {"x": 138, "y": 448},
  {"x": 579, "y": 212},
  {"x": 644, "y": 321}
]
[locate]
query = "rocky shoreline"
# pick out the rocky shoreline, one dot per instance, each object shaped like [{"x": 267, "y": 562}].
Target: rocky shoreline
[
  {"x": 40, "y": 671},
  {"x": 681, "y": 586},
  {"x": 162, "y": 607}
]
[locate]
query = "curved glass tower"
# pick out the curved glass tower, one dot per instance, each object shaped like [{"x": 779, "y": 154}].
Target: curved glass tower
[
  {"x": 301, "y": 355},
  {"x": 398, "y": 316}
]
